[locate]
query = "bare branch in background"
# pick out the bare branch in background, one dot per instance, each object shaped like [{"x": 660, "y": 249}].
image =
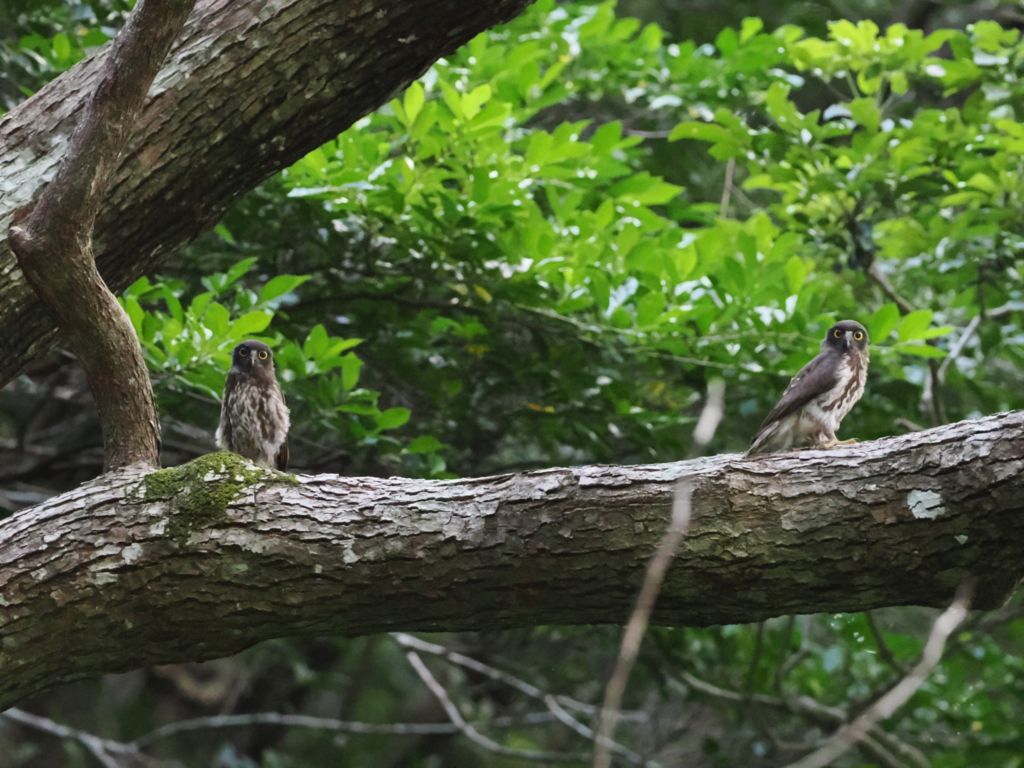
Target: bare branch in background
[
  {"x": 889, "y": 289},
  {"x": 638, "y": 621},
  {"x": 103, "y": 750},
  {"x": 558, "y": 706},
  {"x": 471, "y": 733},
  {"x": 730, "y": 173},
  {"x": 930, "y": 393},
  {"x": 682, "y": 510},
  {"x": 710, "y": 417},
  {"x": 878, "y": 744},
  {"x": 849, "y": 735},
  {"x": 293, "y": 721},
  {"x": 107, "y": 751},
  {"x": 884, "y": 651}
]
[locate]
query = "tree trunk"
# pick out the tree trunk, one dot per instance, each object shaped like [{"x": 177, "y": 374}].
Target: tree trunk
[
  {"x": 206, "y": 559},
  {"x": 250, "y": 87}
]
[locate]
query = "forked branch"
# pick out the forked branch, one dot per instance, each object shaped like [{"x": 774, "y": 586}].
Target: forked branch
[{"x": 53, "y": 237}]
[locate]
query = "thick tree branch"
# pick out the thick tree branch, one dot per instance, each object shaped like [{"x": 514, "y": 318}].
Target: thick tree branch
[
  {"x": 250, "y": 87},
  {"x": 53, "y": 239},
  {"x": 206, "y": 559}
]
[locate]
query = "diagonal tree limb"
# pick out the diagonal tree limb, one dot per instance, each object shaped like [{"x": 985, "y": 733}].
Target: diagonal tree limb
[
  {"x": 654, "y": 577},
  {"x": 53, "y": 238},
  {"x": 250, "y": 87},
  {"x": 203, "y": 560}
]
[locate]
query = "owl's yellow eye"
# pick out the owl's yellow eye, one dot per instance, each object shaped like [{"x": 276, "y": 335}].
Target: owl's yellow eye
[
  {"x": 264, "y": 354},
  {"x": 837, "y": 333},
  {"x": 857, "y": 335}
]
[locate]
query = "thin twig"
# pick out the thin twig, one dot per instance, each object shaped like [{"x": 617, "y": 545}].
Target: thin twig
[
  {"x": 557, "y": 705},
  {"x": 644, "y": 134},
  {"x": 884, "y": 651},
  {"x": 931, "y": 392},
  {"x": 682, "y": 510},
  {"x": 101, "y": 749},
  {"x": 848, "y": 736},
  {"x": 888, "y": 289},
  {"x": 958, "y": 348},
  {"x": 638, "y": 621},
  {"x": 293, "y": 721},
  {"x": 730, "y": 172},
  {"x": 879, "y": 745},
  {"x": 472, "y": 733}
]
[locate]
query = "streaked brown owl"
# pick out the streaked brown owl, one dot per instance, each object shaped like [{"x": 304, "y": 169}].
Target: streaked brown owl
[
  {"x": 820, "y": 395},
  {"x": 253, "y": 416}
]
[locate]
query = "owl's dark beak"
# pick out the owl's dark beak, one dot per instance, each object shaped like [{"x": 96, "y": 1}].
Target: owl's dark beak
[{"x": 847, "y": 340}]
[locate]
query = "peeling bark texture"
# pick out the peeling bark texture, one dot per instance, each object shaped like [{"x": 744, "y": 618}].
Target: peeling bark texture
[
  {"x": 249, "y": 88},
  {"x": 205, "y": 559},
  {"x": 53, "y": 238}
]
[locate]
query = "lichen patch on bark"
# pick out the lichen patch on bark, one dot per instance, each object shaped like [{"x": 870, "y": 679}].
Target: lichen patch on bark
[{"x": 201, "y": 490}]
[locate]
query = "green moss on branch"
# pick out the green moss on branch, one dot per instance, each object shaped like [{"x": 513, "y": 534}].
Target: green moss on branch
[{"x": 200, "y": 491}]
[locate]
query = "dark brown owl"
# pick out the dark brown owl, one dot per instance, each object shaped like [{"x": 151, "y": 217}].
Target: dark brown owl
[
  {"x": 820, "y": 395},
  {"x": 253, "y": 416}
]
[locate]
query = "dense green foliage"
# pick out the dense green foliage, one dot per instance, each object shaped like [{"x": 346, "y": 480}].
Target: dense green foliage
[
  {"x": 533, "y": 291},
  {"x": 543, "y": 251}
]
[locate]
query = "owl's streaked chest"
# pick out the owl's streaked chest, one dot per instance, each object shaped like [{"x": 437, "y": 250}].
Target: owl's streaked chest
[
  {"x": 832, "y": 406},
  {"x": 259, "y": 419}
]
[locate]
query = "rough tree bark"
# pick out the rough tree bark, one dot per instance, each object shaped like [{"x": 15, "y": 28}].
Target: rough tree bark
[
  {"x": 250, "y": 87},
  {"x": 203, "y": 560},
  {"x": 53, "y": 237}
]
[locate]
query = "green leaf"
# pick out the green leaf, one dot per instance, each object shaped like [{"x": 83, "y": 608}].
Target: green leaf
[
  {"x": 350, "y": 367},
  {"x": 61, "y": 47},
  {"x": 797, "y": 270},
  {"x": 914, "y": 325},
  {"x": 780, "y": 108},
  {"x": 250, "y": 323},
  {"x": 649, "y": 308},
  {"x": 474, "y": 100},
  {"x": 135, "y": 312},
  {"x": 197, "y": 307},
  {"x": 238, "y": 270},
  {"x": 281, "y": 285},
  {"x": 883, "y": 322},
  {"x": 921, "y": 350},
  {"x": 316, "y": 342},
  {"x": 865, "y": 111},
  {"x": 224, "y": 234},
  {"x": 424, "y": 444},
  {"x": 934, "y": 333},
  {"x": 217, "y": 318},
  {"x": 413, "y": 101},
  {"x": 393, "y": 418},
  {"x": 700, "y": 131}
]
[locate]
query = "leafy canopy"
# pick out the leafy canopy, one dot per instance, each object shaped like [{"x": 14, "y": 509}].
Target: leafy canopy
[{"x": 533, "y": 283}]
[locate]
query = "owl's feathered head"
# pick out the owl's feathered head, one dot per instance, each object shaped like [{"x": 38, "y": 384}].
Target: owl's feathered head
[
  {"x": 250, "y": 356},
  {"x": 846, "y": 335}
]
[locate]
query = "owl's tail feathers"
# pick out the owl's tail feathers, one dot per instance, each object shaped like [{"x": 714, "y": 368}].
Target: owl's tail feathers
[
  {"x": 757, "y": 446},
  {"x": 769, "y": 438}
]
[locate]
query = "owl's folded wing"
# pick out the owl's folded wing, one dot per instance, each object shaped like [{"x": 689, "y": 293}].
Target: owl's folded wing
[{"x": 815, "y": 378}]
